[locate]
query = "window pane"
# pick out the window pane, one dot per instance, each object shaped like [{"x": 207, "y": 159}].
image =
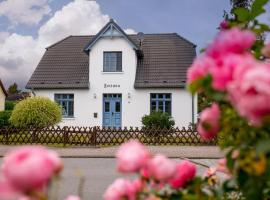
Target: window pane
[
  {"x": 168, "y": 96},
  {"x": 107, "y": 106},
  {"x": 153, "y": 106},
  {"x": 64, "y": 108},
  {"x": 160, "y": 106},
  {"x": 168, "y": 107},
  {"x": 117, "y": 107},
  {"x": 119, "y": 61},
  {"x": 160, "y": 96},
  {"x": 70, "y": 109},
  {"x": 112, "y": 61},
  {"x": 153, "y": 96}
]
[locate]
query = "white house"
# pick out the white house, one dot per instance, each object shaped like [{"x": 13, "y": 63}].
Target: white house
[
  {"x": 3, "y": 95},
  {"x": 112, "y": 79}
]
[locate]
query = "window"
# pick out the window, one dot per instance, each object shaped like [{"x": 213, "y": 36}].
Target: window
[
  {"x": 112, "y": 61},
  {"x": 161, "y": 102},
  {"x": 66, "y": 101}
]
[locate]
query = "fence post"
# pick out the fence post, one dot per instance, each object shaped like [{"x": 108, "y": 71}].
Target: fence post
[
  {"x": 6, "y": 135},
  {"x": 65, "y": 135},
  {"x": 94, "y": 136}
]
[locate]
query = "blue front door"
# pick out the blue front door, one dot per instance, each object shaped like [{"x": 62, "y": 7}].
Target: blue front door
[{"x": 112, "y": 109}]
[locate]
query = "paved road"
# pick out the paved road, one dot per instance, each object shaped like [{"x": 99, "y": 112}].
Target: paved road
[
  {"x": 98, "y": 173},
  {"x": 109, "y": 152},
  {"x": 98, "y": 165}
]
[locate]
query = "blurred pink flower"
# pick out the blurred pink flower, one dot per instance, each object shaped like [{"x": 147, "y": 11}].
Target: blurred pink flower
[
  {"x": 185, "y": 171},
  {"x": 199, "y": 68},
  {"x": 211, "y": 171},
  {"x": 249, "y": 93},
  {"x": 161, "y": 168},
  {"x": 7, "y": 192},
  {"x": 233, "y": 40},
  {"x": 131, "y": 157},
  {"x": 72, "y": 197},
  {"x": 30, "y": 168},
  {"x": 224, "y": 25},
  {"x": 223, "y": 72},
  {"x": 222, "y": 166},
  {"x": 122, "y": 189},
  {"x": 209, "y": 122}
]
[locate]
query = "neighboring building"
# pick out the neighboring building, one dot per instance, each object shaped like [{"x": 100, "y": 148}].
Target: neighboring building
[
  {"x": 112, "y": 79},
  {"x": 18, "y": 96},
  {"x": 3, "y": 95}
]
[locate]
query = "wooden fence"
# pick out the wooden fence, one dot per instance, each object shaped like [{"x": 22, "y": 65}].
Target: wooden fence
[{"x": 98, "y": 136}]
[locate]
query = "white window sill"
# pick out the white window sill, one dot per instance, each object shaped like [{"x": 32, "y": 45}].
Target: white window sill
[
  {"x": 112, "y": 72},
  {"x": 68, "y": 118}
]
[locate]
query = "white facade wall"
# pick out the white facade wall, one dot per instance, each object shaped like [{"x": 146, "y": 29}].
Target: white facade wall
[
  {"x": 134, "y": 106},
  {"x": 2, "y": 99}
]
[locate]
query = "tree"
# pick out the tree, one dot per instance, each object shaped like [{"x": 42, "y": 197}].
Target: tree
[
  {"x": 13, "y": 89},
  {"x": 36, "y": 112}
]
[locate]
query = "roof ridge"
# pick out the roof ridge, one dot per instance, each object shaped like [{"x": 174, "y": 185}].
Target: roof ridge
[
  {"x": 194, "y": 45},
  {"x": 58, "y": 42}
]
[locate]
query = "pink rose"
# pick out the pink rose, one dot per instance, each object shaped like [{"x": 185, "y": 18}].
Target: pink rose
[
  {"x": 249, "y": 93},
  {"x": 30, "y": 168},
  {"x": 131, "y": 157},
  {"x": 7, "y": 191},
  {"x": 161, "y": 168},
  {"x": 224, "y": 25},
  {"x": 71, "y": 197},
  {"x": 233, "y": 40},
  {"x": 222, "y": 73},
  {"x": 211, "y": 171},
  {"x": 222, "y": 166},
  {"x": 121, "y": 189},
  {"x": 200, "y": 68},
  {"x": 185, "y": 171},
  {"x": 209, "y": 122}
]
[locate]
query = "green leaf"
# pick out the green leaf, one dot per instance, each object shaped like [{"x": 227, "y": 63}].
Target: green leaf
[
  {"x": 257, "y": 8},
  {"x": 242, "y": 14},
  {"x": 263, "y": 146}
]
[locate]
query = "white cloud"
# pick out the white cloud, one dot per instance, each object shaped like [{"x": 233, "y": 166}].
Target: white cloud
[
  {"x": 77, "y": 18},
  {"x": 130, "y": 31},
  {"x": 19, "y": 55},
  {"x": 29, "y": 12}
]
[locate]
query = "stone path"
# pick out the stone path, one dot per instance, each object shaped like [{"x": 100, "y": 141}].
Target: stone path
[{"x": 109, "y": 152}]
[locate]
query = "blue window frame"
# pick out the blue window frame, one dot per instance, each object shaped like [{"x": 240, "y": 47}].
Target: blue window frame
[
  {"x": 66, "y": 101},
  {"x": 161, "y": 102},
  {"x": 112, "y": 61}
]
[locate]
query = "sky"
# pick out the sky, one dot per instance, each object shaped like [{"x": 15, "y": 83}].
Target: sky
[{"x": 27, "y": 27}]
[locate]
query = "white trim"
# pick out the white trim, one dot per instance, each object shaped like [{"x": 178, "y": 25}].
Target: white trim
[{"x": 102, "y": 72}]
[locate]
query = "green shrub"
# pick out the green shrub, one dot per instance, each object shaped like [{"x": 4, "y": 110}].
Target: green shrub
[
  {"x": 36, "y": 112},
  {"x": 9, "y": 105},
  {"x": 158, "y": 120},
  {"x": 4, "y": 118}
]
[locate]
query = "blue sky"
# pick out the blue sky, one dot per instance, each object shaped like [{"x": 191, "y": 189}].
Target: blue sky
[{"x": 28, "y": 26}]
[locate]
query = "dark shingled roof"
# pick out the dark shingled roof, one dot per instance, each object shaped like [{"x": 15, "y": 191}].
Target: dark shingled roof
[{"x": 166, "y": 58}]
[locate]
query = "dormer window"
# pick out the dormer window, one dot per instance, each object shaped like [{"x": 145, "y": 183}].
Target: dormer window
[{"x": 112, "y": 61}]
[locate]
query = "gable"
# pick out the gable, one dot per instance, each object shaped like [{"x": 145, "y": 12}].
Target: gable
[{"x": 111, "y": 30}]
